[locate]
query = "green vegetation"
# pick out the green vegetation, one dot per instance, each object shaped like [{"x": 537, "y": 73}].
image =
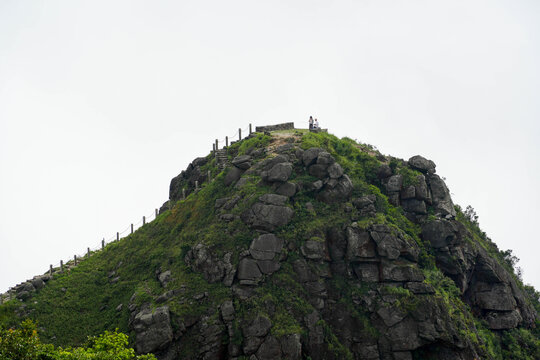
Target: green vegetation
[
  {"x": 24, "y": 344},
  {"x": 410, "y": 176},
  {"x": 258, "y": 141}
]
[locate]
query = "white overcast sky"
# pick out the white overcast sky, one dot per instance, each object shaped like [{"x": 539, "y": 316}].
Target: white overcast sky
[{"x": 103, "y": 102}]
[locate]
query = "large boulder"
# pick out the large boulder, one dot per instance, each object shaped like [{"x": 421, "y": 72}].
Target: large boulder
[
  {"x": 422, "y": 164},
  {"x": 286, "y": 189},
  {"x": 279, "y": 172},
  {"x": 268, "y": 164},
  {"x": 384, "y": 171},
  {"x": 214, "y": 268},
  {"x": 265, "y": 247},
  {"x": 325, "y": 159},
  {"x": 366, "y": 205},
  {"x": 318, "y": 170},
  {"x": 496, "y": 297},
  {"x": 273, "y": 199},
  {"x": 359, "y": 244},
  {"x": 211, "y": 333},
  {"x": 164, "y": 278},
  {"x": 310, "y": 156},
  {"x": 254, "y": 333},
  {"x": 242, "y": 162},
  {"x": 404, "y": 335},
  {"x": 153, "y": 330},
  {"x": 314, "y": 249},
  {"x": 291, "y": 346},
  {"x": 267, "y": 217},
  {"x": 441, "y": 197},
  {"x": 503, "y": 320},
  {"x": 392, "y": 244},
  {"x": 414, "y": 206},
  {"x": 38, "y": 283},
  {"x": 335, "y": 171},
  {"x": 232, "y": 176},
  {"x": 248, "y": 272},
  {"x": 269, "y": 349},
  {"x": 421, "y": 190},
  {"x": 340, "y": 191},
  {"x": 367, "y": 272},
  {"x": 441, "y": 233},
  {"x": 394, "y": 271},
  {"x": 394, "y": 183}
]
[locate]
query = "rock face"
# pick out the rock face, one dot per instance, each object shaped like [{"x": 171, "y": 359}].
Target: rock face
[
  {"x": 187, "y": 178},
  {"x": 214, "y": 269},
  {"x": 486, "y": 285},
  {"x": 263, "y": 258},
  {"x": 426, "y": 189},
  {"x": 268, "y": 128},
  {"x": 286, "y": 257},
  {"x": 267, "y": 216},
  {"x": 422, "y": 164},
  {"x": 153, "y": 330},
  {"x": 27, "y": 289},
  {"x": 333, "y": 185},
  {"x": 441, "y": 196}
]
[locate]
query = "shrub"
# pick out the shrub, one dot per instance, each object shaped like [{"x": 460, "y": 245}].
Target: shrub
[{"x": 24, "y": 344}]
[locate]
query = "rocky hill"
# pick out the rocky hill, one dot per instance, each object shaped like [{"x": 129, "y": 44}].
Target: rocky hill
[{"x": 296, "y": 245}]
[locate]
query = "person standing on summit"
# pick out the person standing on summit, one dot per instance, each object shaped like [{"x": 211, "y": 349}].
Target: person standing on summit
[{"x": 310, "y": 122}]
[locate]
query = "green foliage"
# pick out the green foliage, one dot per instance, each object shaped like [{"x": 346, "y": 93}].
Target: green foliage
[
  {"x": 24, "y": 344},
  {"x": 470, "y": 329},
  {"x": 258, "y": 141},
  {"x": 396, "y": 290},
  {"x": 410, "y": 176},
  {"x": 520, "y": 344},
  {"x": 7, "y": 314},
  {"x": 333, "y": 343},
  {"x": 282, "y": 299},
  {"x": 469, "y": 218}
]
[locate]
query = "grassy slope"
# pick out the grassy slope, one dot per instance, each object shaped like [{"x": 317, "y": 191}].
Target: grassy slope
[{"x": 84, "y": 301}]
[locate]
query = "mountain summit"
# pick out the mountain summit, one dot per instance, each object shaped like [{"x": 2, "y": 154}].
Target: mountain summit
[{"x": 291, "y": 244}]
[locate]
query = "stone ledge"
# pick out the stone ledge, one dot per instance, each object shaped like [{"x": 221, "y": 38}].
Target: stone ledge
[{"x": 284, "y": 126}]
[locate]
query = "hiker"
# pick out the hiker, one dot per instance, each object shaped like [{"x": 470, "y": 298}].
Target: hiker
[
  {"x": 311, "y": 123},
  {"x": 316, "y": 124}
]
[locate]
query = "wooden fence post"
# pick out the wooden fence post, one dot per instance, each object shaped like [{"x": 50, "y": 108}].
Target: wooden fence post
[
  {"x": 88, "y": 252},
  {"x": 75, "y": 259},
  {"x": 226, "y": 141},
  {"x": 50, "y": 269},
  {"x": 144, "y": 220},
  {"x": 132, "y": 228},
  {"x": 213, "y": 147},
  {"x": 239, "y": 134},
  {"x": 217, "y": 145},
  {"x": 249, "y": 129},
  {"x": 157, "y": 213},
  {"x": 117, "y": 236},
  {"x": 103, "y": 244},
  {"x": 183, "y": 194},
  {"x": 61, "y": 266}
]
